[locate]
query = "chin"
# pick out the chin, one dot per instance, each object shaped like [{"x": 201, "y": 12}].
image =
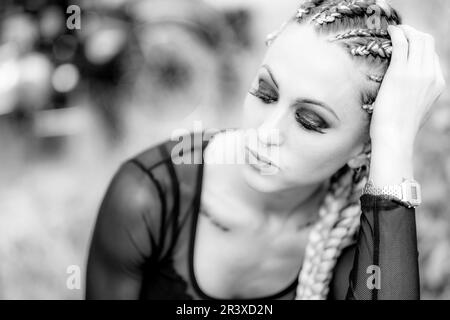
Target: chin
[{"x": 266, "y": 183}]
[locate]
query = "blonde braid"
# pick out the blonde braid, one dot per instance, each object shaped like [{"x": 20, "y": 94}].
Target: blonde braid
[
  {"x": 352, "y": 9},
  {"x": 375, "y": 47},
  {"x": 339, "y": 222},
  {"x": 363, "y": 42},
  {"x": 363, "y": 33}
]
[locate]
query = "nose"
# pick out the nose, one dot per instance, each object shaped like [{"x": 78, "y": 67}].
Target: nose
[{"x": 272, "y": 132}]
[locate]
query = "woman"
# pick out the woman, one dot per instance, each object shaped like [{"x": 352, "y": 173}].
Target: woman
[{"x": 290, "y": 223}]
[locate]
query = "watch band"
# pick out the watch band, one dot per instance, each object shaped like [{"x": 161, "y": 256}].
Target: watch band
[
  {"x": 392, "y": 191},
  {"x": 408, "y": 192}
]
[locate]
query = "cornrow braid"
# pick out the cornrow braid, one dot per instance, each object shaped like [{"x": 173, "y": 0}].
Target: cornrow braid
[
  {"x": 361, "y": 33},
  {"x": 352, "y": 9},
  {"x": 378, "y": 44},
  {"x": 375, "y": 47},
  {"x": 307, "y": 7}
]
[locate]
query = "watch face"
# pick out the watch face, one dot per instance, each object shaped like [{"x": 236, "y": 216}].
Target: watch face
[{"x": 412, "y": 193}]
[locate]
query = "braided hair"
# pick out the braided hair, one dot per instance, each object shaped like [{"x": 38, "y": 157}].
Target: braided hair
[{"x": 347, "y": 21}]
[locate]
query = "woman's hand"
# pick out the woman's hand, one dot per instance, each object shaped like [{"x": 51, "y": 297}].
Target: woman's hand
[{"x": 412, "y": 84}]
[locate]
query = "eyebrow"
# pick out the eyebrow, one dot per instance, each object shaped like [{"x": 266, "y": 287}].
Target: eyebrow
[
  {"x": 301, "y": 100},
  {"x": 265, "y": 66},
  {"x": 317, "y": 103}
]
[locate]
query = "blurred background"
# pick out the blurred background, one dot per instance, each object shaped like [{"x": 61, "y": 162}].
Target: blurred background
[{"x": 76, "y": 102}]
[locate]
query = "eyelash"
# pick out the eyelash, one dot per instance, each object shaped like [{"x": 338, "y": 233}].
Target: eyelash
[
  {"x": 309, "y": 124},
  {"x": 267, "y": 99},
  {"x": 306, "y": 124}
]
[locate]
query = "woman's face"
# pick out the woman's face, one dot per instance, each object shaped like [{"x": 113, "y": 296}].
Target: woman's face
[{"x": 306, "y": 97}]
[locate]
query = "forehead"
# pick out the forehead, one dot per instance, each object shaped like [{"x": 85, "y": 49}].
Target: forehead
[{"x": 306, "y": 64}]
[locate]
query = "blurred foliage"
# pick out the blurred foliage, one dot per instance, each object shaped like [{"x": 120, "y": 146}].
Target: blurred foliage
[{"x": 75, "y": 103}]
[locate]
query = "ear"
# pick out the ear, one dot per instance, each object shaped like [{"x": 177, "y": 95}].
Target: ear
[
  {"x": 358, "y": 161},
  {"x": 362, "y": 158}
]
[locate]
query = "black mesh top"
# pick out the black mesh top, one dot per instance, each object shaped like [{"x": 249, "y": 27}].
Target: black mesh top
[{"x": 143, "y": 241}]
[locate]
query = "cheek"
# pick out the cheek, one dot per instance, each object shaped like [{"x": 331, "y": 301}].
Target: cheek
[
  {"x": 253, "y": 112},
  {"x": 312, "y": 158}
]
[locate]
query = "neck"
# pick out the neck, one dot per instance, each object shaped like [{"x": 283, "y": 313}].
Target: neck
[{"x": 281, "y": 203}]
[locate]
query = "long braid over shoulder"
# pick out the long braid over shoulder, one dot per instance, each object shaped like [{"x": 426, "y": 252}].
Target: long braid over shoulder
[{"x": 360, "y": 27}]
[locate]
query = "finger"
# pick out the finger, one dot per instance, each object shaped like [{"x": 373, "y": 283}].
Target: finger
[
  {"x": 440, "y": 79},
  {"x": 399, "y": 45},
  {"x": 425, "y": 119},
  {"x": 440, "y": 82},
  {"x": 429, "y": 57},
  {"x": 416, "y": 45}
]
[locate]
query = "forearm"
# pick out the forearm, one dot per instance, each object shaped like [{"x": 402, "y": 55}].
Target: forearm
[
  {"x": 386, "y": 259},
  {"x": 386, "y": 263},
  {"x": 391, "y": 160}
]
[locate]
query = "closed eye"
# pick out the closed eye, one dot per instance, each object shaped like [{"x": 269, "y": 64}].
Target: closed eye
[
  {"x": 265, "y": 92},
  {"x": 310, "y": 120}
]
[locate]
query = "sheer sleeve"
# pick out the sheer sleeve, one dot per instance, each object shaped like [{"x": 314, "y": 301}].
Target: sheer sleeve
[
  {"x": 385, "y": 263},
  {"x": 124, "y": 235}
]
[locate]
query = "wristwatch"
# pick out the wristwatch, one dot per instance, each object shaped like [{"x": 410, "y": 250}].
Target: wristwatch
[{"x": 407, "y": 193}]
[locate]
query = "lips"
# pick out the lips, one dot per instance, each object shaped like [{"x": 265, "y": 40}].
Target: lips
[{"x": 261, "y": 158}]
